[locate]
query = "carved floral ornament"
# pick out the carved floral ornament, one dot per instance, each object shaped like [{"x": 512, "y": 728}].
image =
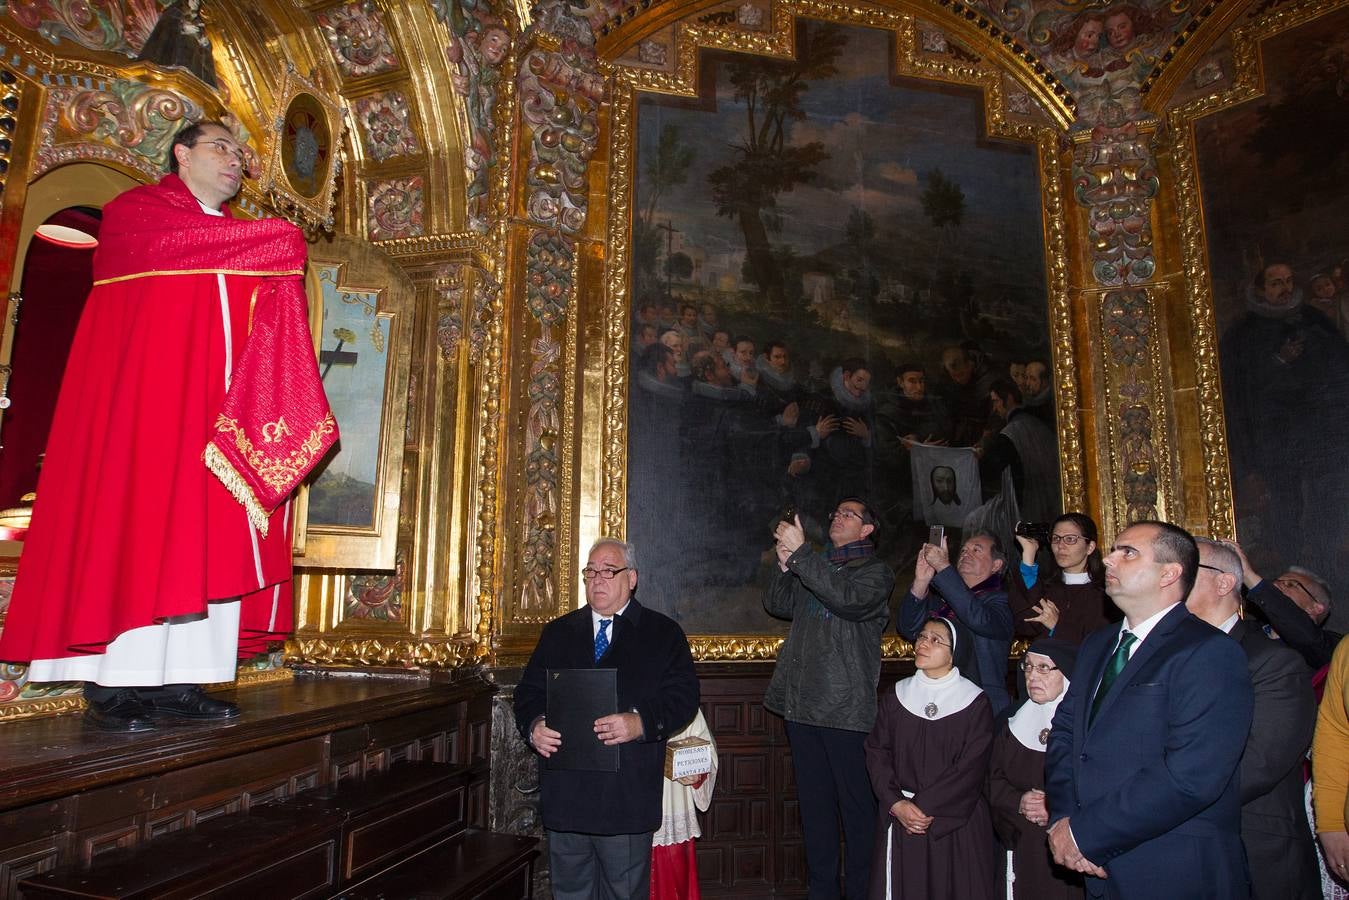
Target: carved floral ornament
[
  {"x": 115, "y": 27},
  {"x": 124, "y": 121},
  {"x": 1115, "y": 178},
  {"x": 456, "y": 317},
  {"x": 560, "y": 91}
]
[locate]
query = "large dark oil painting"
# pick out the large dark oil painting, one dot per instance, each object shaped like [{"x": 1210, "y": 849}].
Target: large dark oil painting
[
  {"x": 833, "y": 270},
  {"x": 1274, "y": 175}
]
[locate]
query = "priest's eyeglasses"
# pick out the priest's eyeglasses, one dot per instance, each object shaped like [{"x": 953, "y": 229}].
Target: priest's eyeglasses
[
  {"x": 1037, "y": 668},
  {"x": 590, "y": 573},
  {"x": 224, "y": 149}
]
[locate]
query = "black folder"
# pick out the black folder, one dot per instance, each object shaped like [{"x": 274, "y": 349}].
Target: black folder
[{"x": 576, "y": 698}]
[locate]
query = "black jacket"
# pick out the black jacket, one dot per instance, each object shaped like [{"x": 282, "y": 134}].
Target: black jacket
[
  {"x": 656, "y": 679},
  {"x": 1273, "y": 818},
  {"x": 828, "y": 668},
  {"x": 1295, "y": 627}
]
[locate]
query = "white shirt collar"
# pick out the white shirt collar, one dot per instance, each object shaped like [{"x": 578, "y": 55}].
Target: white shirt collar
[
  {"x": 210, "y": 212},
  {"x": 936, "y": 698},
  {"x": 1077, "y": 578},
  {"x": 1230, "y": 623},
  {"x": 1144, "y": 628},
  {"x": 1032, "y": 721},
  {"x": 596, "y": 617}
]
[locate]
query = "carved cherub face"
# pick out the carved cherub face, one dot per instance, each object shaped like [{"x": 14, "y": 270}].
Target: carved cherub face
[
  {"x": 495, "y": 43},
  {"x": 1119, "y": 30},
  {"x": 1089, "y": 37}
]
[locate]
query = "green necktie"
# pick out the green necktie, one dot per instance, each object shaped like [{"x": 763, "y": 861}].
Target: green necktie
[{"x": 1118, "y": 661}]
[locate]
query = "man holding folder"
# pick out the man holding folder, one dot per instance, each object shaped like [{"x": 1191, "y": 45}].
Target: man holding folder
[{"x": 600, "y": 823}]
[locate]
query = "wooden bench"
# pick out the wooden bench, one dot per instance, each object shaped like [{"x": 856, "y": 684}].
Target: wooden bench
[
  {"x": 317, "y": 844},
  {"x": 473, "y": 865}
]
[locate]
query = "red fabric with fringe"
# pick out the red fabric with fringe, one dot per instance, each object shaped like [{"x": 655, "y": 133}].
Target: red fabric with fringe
[{"x": 130, "y": 527}]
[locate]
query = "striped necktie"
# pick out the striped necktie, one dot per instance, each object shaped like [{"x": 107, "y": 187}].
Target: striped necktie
[{"x": 602, "y": 638}]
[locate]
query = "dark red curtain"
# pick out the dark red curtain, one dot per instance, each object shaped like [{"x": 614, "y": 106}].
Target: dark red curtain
[{"x": 56, "y": 281}]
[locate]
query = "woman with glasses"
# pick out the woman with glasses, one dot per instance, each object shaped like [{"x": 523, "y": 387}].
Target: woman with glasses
[
  {"x": 1069, "y": 601},
  {"x": 928, "y": 759},
  {"x": 1016, "y": 779}
]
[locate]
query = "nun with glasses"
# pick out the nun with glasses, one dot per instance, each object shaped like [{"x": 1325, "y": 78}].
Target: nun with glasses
[
  {"x": 928, "y": 760},
  {"x": 1016, "y": 779}
]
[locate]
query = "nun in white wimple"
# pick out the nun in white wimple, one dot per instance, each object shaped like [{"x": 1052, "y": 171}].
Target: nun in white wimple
[
  {"x": 1016, "y": 778},
  {"x": 928, "y": 760}
]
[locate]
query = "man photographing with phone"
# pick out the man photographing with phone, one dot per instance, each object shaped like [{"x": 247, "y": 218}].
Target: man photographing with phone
[
  {"x": 824, "y": 684},
  {"x": 971, "y": 594}
]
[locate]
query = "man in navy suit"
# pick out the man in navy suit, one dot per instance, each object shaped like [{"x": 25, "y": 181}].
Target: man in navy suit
[
  {"x": 1141, "y": 767},
  {"x": 600, "y": 824}
]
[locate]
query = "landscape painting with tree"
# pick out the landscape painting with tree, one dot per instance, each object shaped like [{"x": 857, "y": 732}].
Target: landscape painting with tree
[{"x": 830, "y": 265}]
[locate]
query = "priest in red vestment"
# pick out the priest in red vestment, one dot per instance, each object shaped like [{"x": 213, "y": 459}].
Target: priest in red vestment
[{"x": 160, "y": 548}]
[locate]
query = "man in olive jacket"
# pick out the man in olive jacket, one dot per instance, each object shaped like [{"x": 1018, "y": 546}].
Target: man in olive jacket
[{"x": 824, "y": 686}]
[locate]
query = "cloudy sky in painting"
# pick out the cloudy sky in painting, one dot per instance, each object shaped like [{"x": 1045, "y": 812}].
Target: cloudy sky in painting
[{"x": 883, "y": 137}]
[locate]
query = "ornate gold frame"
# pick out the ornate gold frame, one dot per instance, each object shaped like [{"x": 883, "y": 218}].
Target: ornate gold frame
[
  {"x": 275, "y": 183},
  {"x": 370, "y": 547},
  {"x": 604, "y": 461},
  {"x": 1197, "y": 291}
]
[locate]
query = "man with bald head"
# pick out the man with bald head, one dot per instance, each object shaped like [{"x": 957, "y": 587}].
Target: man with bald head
[
  {"x": 1274, "y": 828},
  {"x": 1141, "y": 765}
]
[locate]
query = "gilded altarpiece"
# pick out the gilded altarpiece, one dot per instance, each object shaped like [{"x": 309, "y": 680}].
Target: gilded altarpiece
[{"x": 585, "y": 326}]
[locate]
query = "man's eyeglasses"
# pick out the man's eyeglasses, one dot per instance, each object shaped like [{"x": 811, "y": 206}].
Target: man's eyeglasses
[
  {"x": 589, "y": 573},
  {"x": 846, "y": 513},
  {"x": 1037, "y": 668},
  {"x": 1285, "y": 583},
  {"x": 224, "y": 149},
  {"x": 927, "y": 637},
  {"x": 1067, "y": 540}
]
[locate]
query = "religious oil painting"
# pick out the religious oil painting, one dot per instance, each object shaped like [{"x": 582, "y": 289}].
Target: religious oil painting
[
  {"x": 353, "y": 357},
  {"x": 832, "y": 268},
  {"x": 1274, "y": 180},
  {"x": 306, "y": 145}
]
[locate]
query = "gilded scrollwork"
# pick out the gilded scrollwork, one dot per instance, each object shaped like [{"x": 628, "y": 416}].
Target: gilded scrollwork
[
  {"x": 383, "y": 651},
  {"x": 463, "y": 312},
  {"x": 479, "y": 43},
  {"x": 560, "y": 91},
  {"x": 123, "y": 120},
  {"x": 1130, "y": 362},
  {"x": 113, "y": 27},
  {"x": 13, "y": 712},
  {"x": 1115, "y": 179}
]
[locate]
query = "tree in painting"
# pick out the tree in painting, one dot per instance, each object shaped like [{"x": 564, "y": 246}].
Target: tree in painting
[
  {"x": 667, "y": 168},
  {"x": 808, "y": 232},
  {"x": 764, "y": 163}
]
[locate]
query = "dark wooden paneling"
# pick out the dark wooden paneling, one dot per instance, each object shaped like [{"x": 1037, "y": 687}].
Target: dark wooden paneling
[
  {"x": 24, "y": 861},
  {"x": 293, "y": 738},
  {"x": 751, "y": 844}
]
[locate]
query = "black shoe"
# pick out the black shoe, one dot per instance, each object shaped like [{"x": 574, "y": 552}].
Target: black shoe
[
  {"x": 191, "y": 703},
  {"x": 123, "y": 712}
]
